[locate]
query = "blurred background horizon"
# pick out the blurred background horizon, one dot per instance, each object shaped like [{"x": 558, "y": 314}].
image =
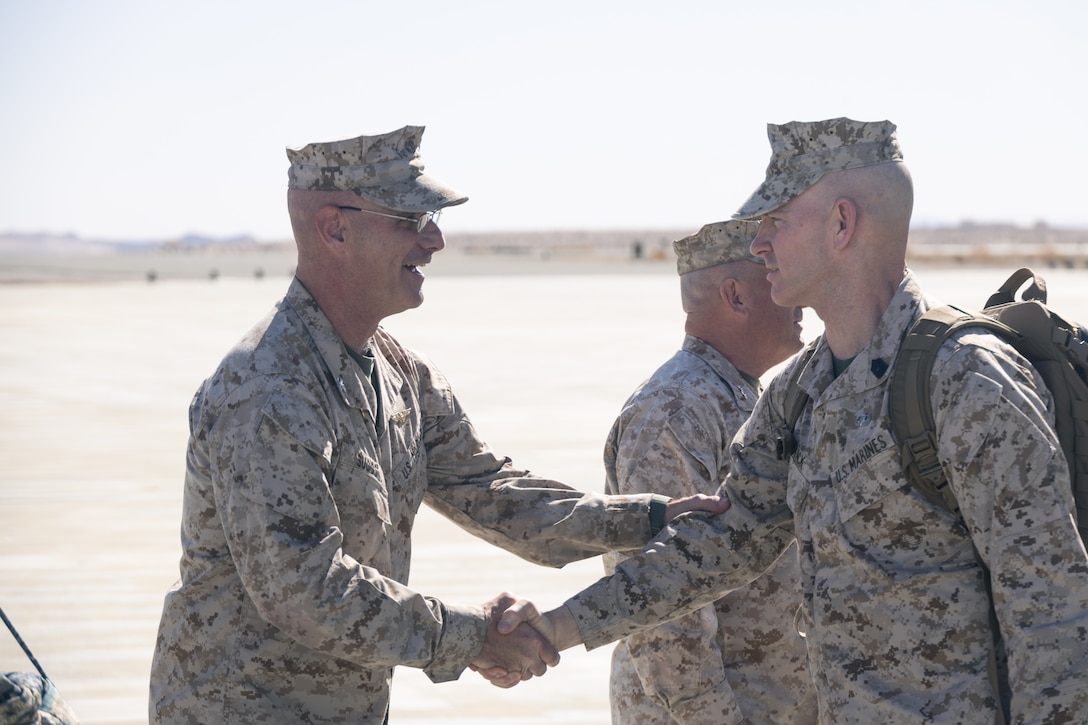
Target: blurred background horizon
[
  {"x": 95, "y": 381},
  {"x": 127, "y": 120}
]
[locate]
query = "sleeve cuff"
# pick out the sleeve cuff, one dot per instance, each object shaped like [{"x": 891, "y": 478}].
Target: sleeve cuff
[
  {"x": 464, "y": 630},
  {"x": 597, "y": 615}
]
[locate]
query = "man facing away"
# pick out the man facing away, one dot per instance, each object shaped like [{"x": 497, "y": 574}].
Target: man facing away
[
  {"x": 740, "y": 659},
  {"x": 312, "y": 447},
  {"x": 896, "y": 605}
]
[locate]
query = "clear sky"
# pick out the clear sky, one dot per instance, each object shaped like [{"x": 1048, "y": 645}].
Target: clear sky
[{"x": 138, "y": 119}]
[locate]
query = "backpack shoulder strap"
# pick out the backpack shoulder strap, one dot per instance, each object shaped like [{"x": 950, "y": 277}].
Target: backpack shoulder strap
[
  {"x": 910, "y": 402},
  {"x": 794, "y": 405}
]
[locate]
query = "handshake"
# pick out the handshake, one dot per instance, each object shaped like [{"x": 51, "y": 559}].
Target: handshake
[{"x": 522, "y": 642}]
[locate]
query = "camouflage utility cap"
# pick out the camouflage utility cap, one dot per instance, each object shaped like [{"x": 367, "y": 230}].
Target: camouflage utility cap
[
  {"x": 715, "y": 244},
  {"x": 385, "y": 169},
  {"x": 802, "y": 152}
]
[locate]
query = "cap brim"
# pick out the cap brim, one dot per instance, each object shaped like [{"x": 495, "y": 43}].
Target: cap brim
[
  {"x": 420, "y": 193},
  {"x": 773, "y": 193}
]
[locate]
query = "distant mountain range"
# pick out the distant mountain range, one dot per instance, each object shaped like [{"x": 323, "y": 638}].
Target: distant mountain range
[
  {"x": 44, "y": 243},
  {"x": 67, "y": 257},
  {"x": 967, "y": 239}
]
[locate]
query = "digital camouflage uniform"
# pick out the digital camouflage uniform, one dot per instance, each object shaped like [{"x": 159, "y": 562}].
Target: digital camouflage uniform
[
  {"x": 302, "y": 485},
  {"x": 296, "y": 529},
  {"x": 895, "y": 607},
  {"x": 740, "y": 657}
]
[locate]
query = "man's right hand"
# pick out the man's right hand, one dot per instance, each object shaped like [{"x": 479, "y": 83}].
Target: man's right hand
[
  {"x": 557, "y": 625},
  {"x": 514, "y": 653}
]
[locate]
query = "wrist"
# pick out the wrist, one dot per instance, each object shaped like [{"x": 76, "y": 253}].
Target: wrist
[{"x": 564, "y": 628}]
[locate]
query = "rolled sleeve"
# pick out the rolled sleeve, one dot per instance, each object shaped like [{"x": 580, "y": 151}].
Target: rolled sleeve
[{"x": 464, "y": 629}]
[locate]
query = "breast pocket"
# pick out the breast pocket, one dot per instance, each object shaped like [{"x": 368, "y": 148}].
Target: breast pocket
[
  {"x": 883, "y": 520},
  {"x": 868, "y": 476},
  {"x": 363, "y": 502}
]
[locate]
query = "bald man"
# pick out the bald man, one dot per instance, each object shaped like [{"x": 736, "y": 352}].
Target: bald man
[
  {"x": 896, "y": 605},
  {"x": 740, "y": 659},
  {"x": 312, "y": 447}
]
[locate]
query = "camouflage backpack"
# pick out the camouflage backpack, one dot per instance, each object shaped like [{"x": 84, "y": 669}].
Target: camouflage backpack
[
  {"x": 1058, "y": 349},
  {"x": 31, "y": 698}
]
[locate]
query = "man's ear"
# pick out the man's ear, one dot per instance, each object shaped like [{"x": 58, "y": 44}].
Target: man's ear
[
  {"x": 330, "y": 225},
  {"x": 730, "y": 292},
  {"x": 844, "y": 219}
]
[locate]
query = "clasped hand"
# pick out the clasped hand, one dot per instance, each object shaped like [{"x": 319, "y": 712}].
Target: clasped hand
[
  {"x": 522, "y": 642},
  {"x": 518, "y": 651}
]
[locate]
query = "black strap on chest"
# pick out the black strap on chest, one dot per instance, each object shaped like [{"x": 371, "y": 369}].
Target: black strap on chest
[{"x": 796, "y": 401}]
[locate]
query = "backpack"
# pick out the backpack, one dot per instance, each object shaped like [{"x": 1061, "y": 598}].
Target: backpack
[
  {"x": 29, "y": 698},
  {"x": 1056, "y": 348}
]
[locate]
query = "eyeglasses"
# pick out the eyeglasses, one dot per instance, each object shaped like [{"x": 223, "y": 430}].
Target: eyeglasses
[{"x": 421, "y": 221}]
